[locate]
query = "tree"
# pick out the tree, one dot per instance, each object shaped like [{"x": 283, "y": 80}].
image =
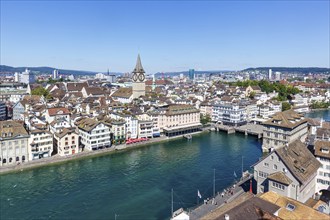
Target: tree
[
  {"x": 41, "y": 91},
  {"x": 205, "y": 119},
  {"x": 252, "y": 95},
  {"x": 285, "y": 106}
]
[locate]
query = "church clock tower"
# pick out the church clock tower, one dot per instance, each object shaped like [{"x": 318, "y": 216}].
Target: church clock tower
[{"x": 138, "y": 77}]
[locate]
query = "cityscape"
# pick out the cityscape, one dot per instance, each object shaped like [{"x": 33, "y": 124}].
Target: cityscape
[{"x": 159, "y": 134}]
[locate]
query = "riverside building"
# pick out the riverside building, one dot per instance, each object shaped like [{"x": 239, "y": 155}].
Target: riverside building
[
  {"x": 66, "y": 141},
  {"x": 93, "y": 134},
  {"x": 289, "y": 171},
  {"x": 177, "y": 119},
  {"x": 13, "y": 143},
  {"x": 322, "y": 154},
  {"x": 40, "y": 144},
  {"x": 283, "y": 128}
]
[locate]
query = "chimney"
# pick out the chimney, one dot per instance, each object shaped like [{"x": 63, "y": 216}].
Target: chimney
[{"x": 226, "y": 217}]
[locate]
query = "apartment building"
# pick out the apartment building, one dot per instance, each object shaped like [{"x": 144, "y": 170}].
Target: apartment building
[
  {"x": 283, "y": 128},
  {"x": 289, "y": 171},
  {"x": 13, "y": 143},
  {"x": 145, "y": 126},
  {"x": 231, "y": 114},
  {"x": 93, "y": 134},
  {"x": 66, "y": 141},
  {"x": 322, "y": 154},
  {"x": 57, "y": 113},
  {"x": 40, "y": 144},
  {"x": 131, "y": 123}
]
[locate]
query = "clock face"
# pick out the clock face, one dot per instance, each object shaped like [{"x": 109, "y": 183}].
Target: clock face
[
  {"x": 134, "y": 77},
  {"x": 141, "y": 77}
]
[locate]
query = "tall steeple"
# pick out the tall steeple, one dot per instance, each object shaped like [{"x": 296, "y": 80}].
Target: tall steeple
[
  {"x": 138, "y": 77},
  {"x": 138, "y": 67}
]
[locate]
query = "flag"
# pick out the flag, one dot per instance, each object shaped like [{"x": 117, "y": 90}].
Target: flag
[
  {"x": 235, "y": 174},
  {"x": 199, "y": 194}
]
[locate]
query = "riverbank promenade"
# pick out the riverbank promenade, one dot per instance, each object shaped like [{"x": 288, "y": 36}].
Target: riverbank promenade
[{"x": 222, "y": 198}]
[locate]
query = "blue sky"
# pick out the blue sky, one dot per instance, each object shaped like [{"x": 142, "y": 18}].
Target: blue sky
[{"x": 169, "y": 35}]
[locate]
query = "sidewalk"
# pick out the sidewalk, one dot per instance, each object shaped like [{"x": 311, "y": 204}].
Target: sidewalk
[{"x": 220, "y": 199}]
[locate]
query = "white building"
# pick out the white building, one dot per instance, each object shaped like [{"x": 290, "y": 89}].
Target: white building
[
  {"x": 27, "y": 77},
  {"x": 131, "y": 123},
  {"x": 13, "y": 143},
  {"x": 322, "y": 154},
  {"x": 229, "y": 114},
  {"x": 107, "y": 77},
  {"x": 57, "y": 113},
  {"x": 55, "y": 74},
  {"x": 270, "y": 75},
  {"x": 277, "y": 76},
  {"x": 94, "y": 134},
  {"x": 40, "y": 144}
]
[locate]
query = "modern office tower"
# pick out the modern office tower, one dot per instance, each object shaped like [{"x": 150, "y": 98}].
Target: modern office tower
[
  {"x": 270, "y": 77},
  {"x": 191, "y": 74},
  {"x": 27, "y": 77},
  {"x": 55, "y": 74}
]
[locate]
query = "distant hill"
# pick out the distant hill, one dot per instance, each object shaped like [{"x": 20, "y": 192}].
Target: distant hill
[
  {"x": 292, "y": 69},
  {"x": 186, "y": 73},
  {"x": 45, "y": 70}
]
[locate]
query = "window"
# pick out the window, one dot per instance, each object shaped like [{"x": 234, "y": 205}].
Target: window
[
  {"x": 272, "y": 157},
  {"x": 275, "y": 167},
  {"x": 262, "y": 174},
  {"x": 278, "y": 186},
  {"x": 17, "y": 158},
  {"x": 266, "y": 164},
  {"x": 290, "y": 207}
]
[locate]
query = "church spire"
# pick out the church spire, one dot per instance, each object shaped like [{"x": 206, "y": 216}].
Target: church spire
[{"x": 138, "y": 68}]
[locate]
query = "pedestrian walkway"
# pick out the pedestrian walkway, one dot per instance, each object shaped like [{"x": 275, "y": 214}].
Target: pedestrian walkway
[{"x": 222, "y": 198}]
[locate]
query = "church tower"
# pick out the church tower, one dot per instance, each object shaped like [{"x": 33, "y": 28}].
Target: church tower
[{"x": 138, "y": 77}]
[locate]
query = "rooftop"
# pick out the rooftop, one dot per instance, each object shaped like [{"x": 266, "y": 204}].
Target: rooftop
[
  {"x": 287, "y": 119},
  {"x": 292, "y": 209}
]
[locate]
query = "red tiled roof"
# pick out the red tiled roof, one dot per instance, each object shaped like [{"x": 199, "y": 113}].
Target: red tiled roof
[{"x": 55, "y": 111}]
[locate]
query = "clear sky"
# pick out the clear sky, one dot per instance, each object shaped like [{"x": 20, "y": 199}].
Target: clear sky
[{"x": 169, "y": 35}]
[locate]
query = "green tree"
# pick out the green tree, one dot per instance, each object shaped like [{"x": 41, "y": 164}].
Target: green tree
[
  {"x": 41, "y": 91},
  {"x": 285, "y": 106},
  {"x": 204, "y": 119},
  {"x": 252, "y": 95}
]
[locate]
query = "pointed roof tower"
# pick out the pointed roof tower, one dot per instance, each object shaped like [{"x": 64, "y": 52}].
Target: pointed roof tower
[{"x": 138, "y": 68}]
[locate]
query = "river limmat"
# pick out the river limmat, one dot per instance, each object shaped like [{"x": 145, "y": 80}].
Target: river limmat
[{"x": 134, "y": 185}]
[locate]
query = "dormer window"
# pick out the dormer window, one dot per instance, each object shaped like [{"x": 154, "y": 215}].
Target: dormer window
[
  {"x": 325, "y": 150},
  {"x": 290, "y": 207}
]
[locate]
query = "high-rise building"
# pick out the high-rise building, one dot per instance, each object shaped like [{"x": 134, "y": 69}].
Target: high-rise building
[
  {"x": 138, "y": 77},
  {"x": 270, "y": 77},
  {"x": 191, "y": 74},
  {"x": 55, "y": 74},
  {"x": 16, "y": 77},
  {"x": 27, "y": 77},
  {"x": 277, "y": 76}
]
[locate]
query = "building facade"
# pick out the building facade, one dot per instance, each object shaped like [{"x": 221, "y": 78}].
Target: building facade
[
  {"x": 93, "y": 134},
  {"x": 283, "y": 128},
  {"x": 66, "y": 142},
  {"x": 289, "y": 171},
  {"x": 322, "y": 154},
  {"x": 3, "y": 111},
  {"x": 40, "y": 144},
  {"x": 13, "y": 143}
]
